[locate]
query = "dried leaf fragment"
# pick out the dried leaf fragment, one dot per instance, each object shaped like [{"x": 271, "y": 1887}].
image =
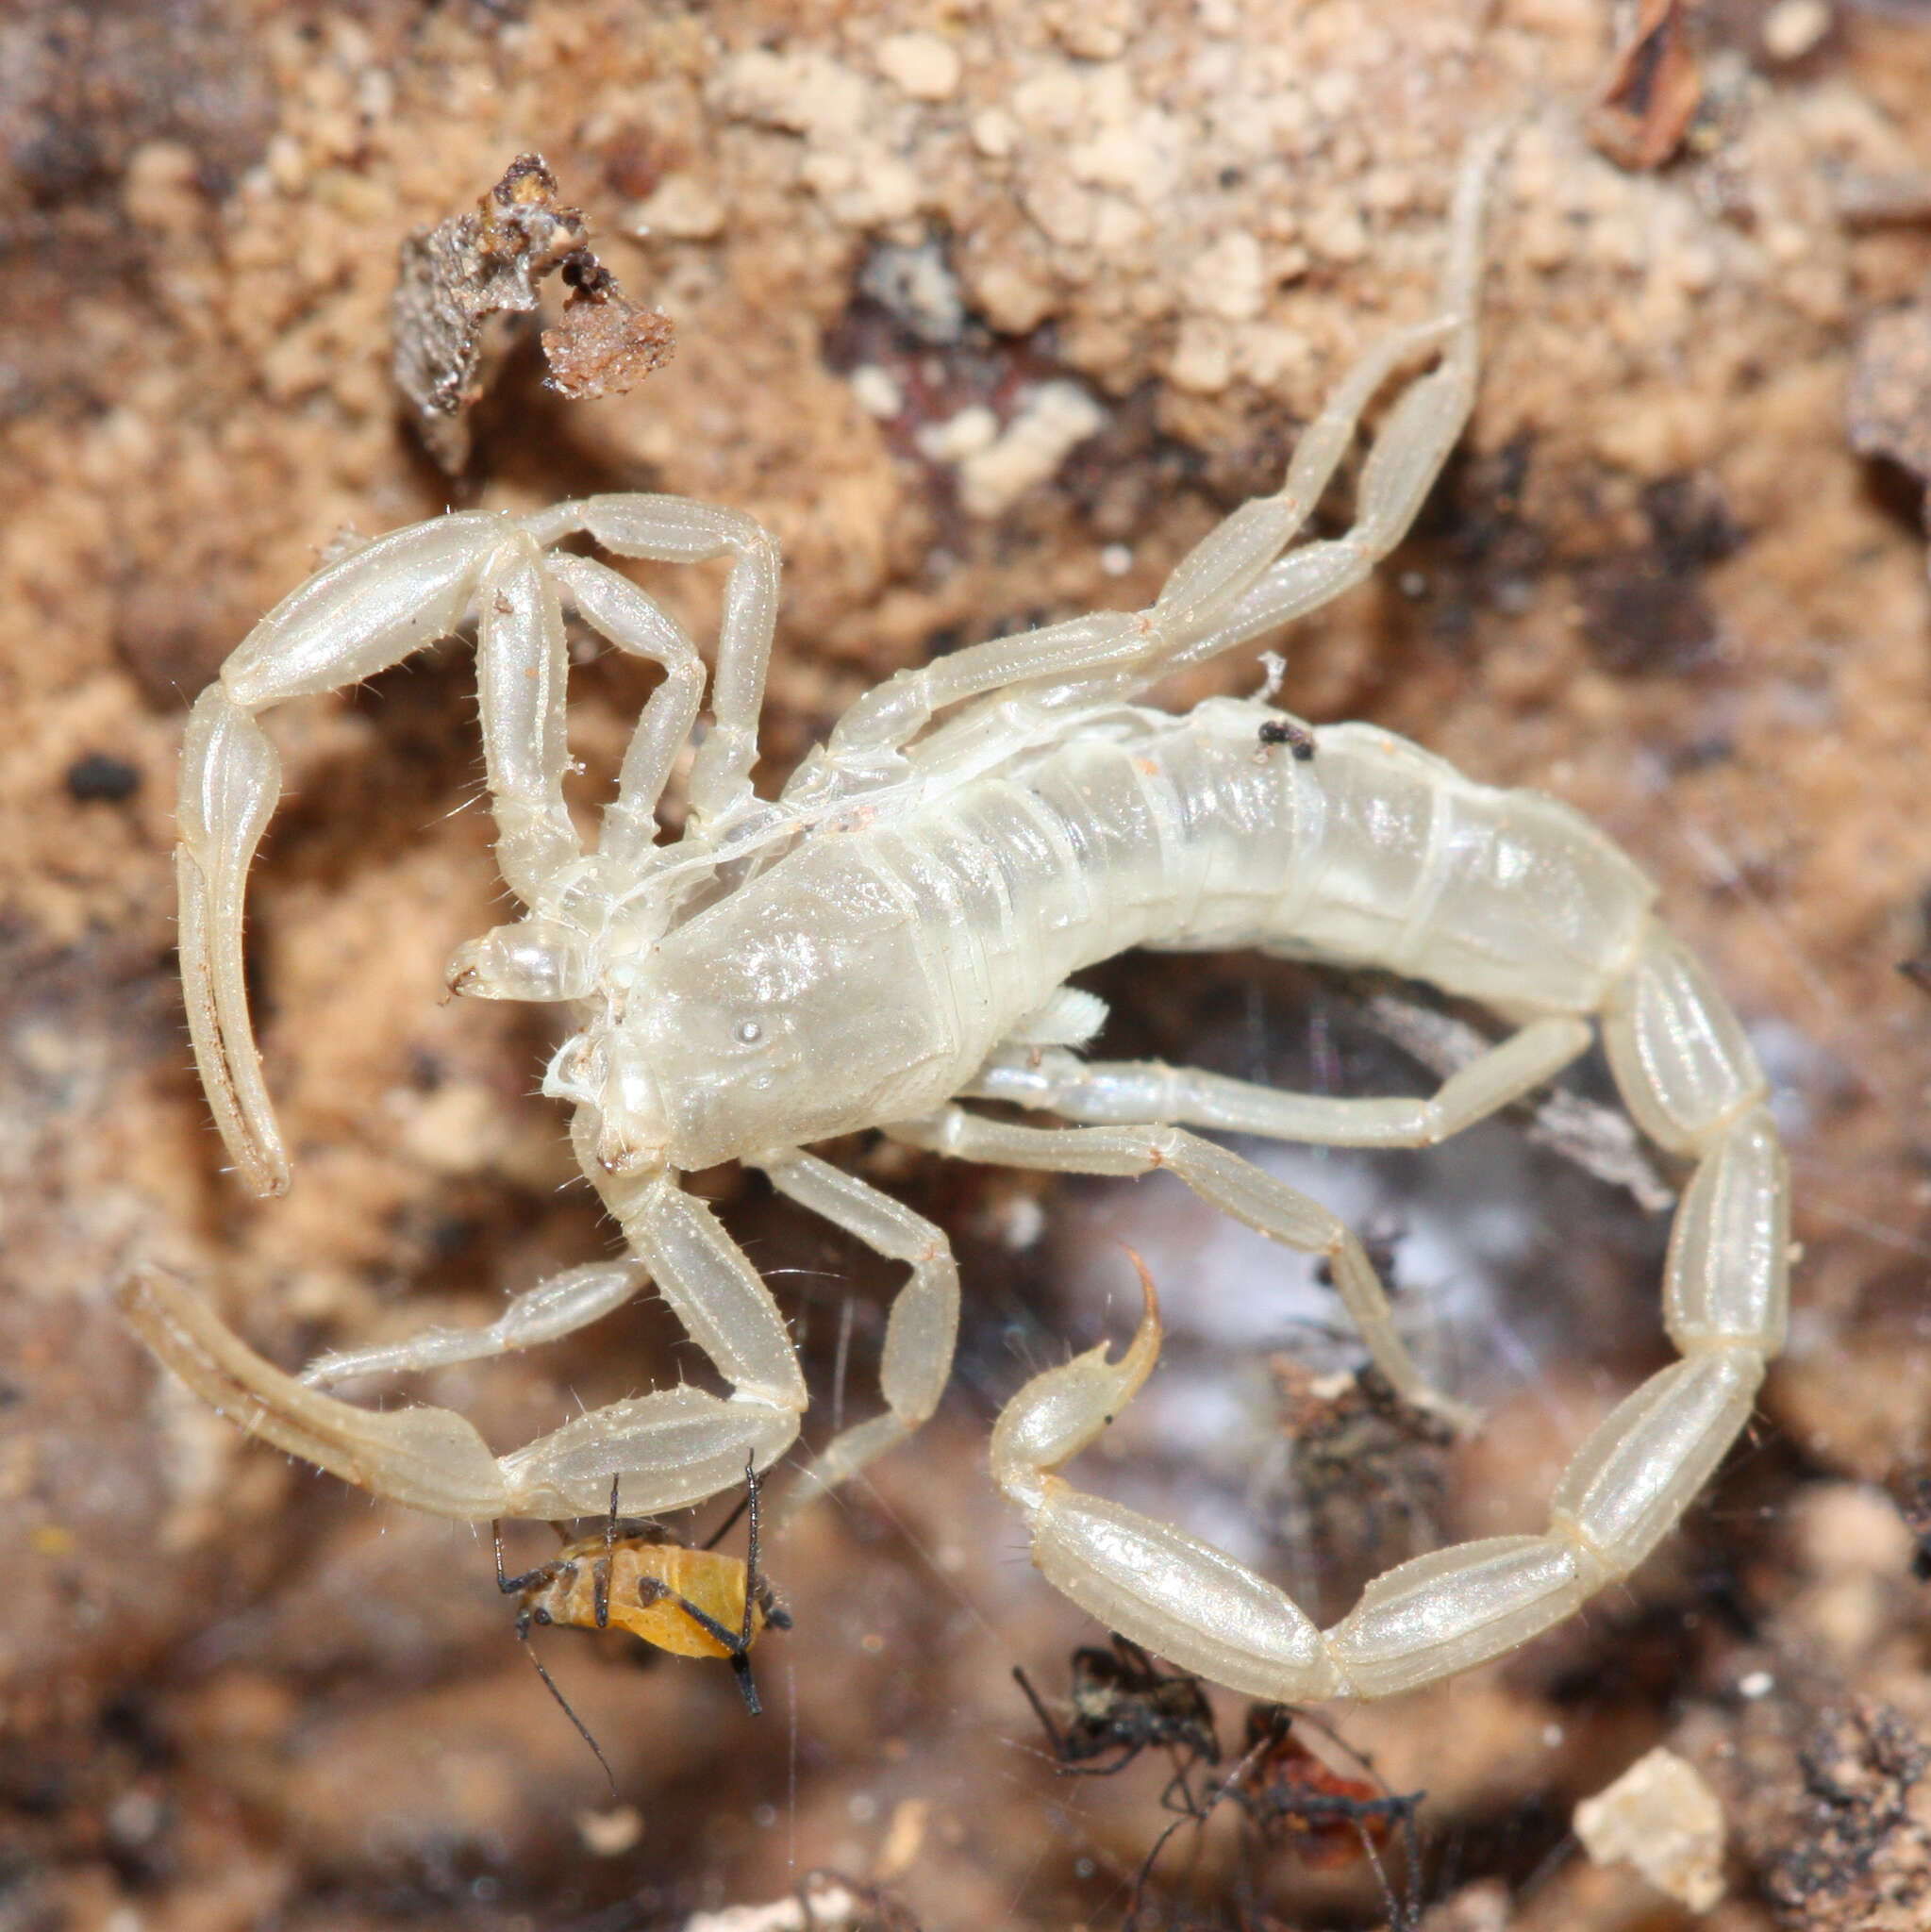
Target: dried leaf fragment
[
  {"x": 457, "y": 277},
  {"x": 1653, "y": 92}
]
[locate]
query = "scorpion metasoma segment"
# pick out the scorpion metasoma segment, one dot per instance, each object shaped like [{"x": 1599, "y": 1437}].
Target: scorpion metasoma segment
[{"x": 889, "y": 940}]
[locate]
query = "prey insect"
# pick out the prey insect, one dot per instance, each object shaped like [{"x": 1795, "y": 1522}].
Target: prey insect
[
  {"x": 637, "y": 1575},
  {"x": 889, "y": 944},
  {"x": 1289, "y": 1795},
  {"x": 1124, "y": 1704},
  {"x": 1290, "y": 1799}
]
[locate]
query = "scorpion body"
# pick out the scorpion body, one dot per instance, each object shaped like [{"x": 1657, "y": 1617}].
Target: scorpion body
[{"x": 888, "y": 941}]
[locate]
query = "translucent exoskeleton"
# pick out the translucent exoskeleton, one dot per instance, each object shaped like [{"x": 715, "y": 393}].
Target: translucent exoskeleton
[{"x": 890, "y": 941}]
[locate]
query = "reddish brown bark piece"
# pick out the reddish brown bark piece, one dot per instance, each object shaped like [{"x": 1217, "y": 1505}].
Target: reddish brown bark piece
[
  {"x": 1653, "y": 91},
  {"x": 605, "y": 344}
]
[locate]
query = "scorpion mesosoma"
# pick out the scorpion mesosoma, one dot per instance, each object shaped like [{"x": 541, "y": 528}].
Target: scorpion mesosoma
[{"x": 891, "y": 938}]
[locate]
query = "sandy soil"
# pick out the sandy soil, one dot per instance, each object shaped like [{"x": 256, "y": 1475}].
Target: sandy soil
[{"x": 988, "y": 308}]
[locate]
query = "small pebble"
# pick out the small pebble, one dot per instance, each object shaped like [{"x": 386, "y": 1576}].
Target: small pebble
[{"x": 1792, "y": 27}]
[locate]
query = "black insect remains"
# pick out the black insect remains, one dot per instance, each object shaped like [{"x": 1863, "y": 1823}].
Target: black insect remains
[
  {"x": 1297, "y": 737},
  {"x": 1124, "y": 1704}
]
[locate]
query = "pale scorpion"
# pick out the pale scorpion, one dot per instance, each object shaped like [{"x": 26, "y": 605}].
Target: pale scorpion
[{"x": 890, "y": 938}]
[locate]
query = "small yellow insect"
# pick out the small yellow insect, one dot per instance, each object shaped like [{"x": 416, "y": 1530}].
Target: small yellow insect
[{"x": 689, "y": 1602}]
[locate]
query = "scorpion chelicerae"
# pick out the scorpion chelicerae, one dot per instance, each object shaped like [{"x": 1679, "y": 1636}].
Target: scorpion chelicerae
[{"x": 891, "y": 939}]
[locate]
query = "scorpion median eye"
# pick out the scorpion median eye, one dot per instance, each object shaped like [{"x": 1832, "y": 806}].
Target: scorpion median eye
[{"x": 748, "y": 1032}]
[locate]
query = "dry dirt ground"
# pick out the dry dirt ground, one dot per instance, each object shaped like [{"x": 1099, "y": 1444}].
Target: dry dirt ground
[{"x": 1656, "y": 582}]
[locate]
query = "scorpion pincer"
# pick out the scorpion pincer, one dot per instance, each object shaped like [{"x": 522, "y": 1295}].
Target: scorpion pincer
[{"x": 890, "y": 941}]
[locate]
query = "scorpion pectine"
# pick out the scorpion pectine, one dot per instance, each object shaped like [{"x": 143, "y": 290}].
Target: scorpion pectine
[{"x": 890, "y": 938}]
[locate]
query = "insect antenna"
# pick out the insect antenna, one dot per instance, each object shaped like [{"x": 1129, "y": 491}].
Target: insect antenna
[
  {"x": 730, "y": 1522},
  {"x": 524, "y": 1618},
  {"x": 582, "y": 1728}
]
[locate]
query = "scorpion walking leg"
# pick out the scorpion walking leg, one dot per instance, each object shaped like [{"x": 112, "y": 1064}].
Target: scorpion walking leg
[
  {"x": 367, "y": 611},
  {"x": 1229, "y": 588},
  {"x": 1223, "y": 1180},
  {"x": 231, "y": 776},
  {"x": 432, "y": 1459},
  {"x": 1055, "y": 1080},
  {"x": 679, "y": 1445},
  {"x": 428, "y": 1459},
  {"x": 522, "y": 671},
  {"x": 921, "y": 1329},
  {"x": 543, "y": 958},
  {"x": 1232, "y": 608},
  {"x": 675, "y": 529},
  {"x": 638, "y": 626}
]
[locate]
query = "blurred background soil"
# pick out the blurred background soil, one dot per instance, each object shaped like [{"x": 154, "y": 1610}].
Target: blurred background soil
[{"x": 905, "y": 246}]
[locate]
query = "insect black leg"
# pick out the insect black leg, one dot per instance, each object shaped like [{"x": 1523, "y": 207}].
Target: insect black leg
[
  {"x": 600, "y": 1591},
  {"x": 741, "y": 1658},
  {"x": 1129, "y": 1749},
  {"x": 750, "y": 1579},
  {"x": 1039, "y": 1711},
  {"x": 735, "y": 1644},
  {"x": 1179, "y": 1795},
  {"x": 510, "y": 1586},
  {"x": 741, "y": 1667}
]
